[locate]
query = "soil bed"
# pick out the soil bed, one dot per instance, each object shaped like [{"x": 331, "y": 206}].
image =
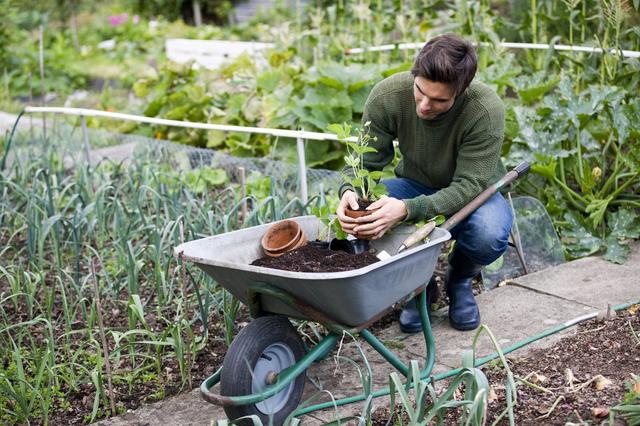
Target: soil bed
[
  {"x": 310, "y": 258},
  {"x": 567, "y": 378}
]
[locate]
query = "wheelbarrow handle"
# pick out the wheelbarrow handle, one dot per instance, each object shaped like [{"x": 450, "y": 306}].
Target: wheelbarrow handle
[{"x": 464, "y": 212}]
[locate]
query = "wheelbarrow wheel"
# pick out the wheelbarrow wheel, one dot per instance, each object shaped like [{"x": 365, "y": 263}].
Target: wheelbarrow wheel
[{"x": 261, "y": 350}]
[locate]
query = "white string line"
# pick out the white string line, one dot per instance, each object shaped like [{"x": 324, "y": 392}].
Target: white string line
[
  {"x": 589, "y": 49},
  {"x": 190, "y": 124}
]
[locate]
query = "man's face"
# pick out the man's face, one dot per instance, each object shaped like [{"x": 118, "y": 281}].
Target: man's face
[{"x": 432, "y": 99}]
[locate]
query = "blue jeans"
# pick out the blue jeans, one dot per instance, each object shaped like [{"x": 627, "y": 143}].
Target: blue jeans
[{"x": 483, "y": 236}]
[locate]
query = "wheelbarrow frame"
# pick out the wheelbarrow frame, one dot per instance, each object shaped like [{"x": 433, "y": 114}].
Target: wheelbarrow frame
[
  {"x": 336, "y": 331},
  {"x": 260, "y": 287}
]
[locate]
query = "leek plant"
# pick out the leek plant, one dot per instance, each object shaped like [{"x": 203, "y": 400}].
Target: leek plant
[{"x": 58, "y": 217}]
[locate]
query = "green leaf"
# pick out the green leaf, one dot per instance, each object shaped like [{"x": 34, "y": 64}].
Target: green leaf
[
  {"x": 215, "y": 177},
  {"x": 331, "y": 82},
  {"x": 141, "y": 88},
  {"x": 596, "y": 209},
  {"x": 376, "y": 175},
  {"x": 135, "y": 304},
  {"x": 359, "y": 98},
  {"x": 154, "y": 107},
  {"x": 342, "y": 131},
  {"x": 379, "y": 190},
  {"x": 215, "y": 138},
  {"x": 532, "y": 88},
  {"x": 616, "y": 251},
  {"x": 394, "y": 70},
  {"x": 546, "y": 170},
  {"x": 177, "y": 113},
  {"x": 438, "y": 219},
  {"x": 624, "y": 224},
  {"x": 268, "y": 81},
  {"x": 578, "y": 241}
]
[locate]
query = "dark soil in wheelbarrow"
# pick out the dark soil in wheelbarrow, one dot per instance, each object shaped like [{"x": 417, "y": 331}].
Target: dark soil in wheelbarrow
[
  {"x": 310, "y": 258},
  {"x": 576, "y": 381}
]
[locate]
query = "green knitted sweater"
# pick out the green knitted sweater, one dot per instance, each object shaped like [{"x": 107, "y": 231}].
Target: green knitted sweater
[{"x": 457, "y": 153}]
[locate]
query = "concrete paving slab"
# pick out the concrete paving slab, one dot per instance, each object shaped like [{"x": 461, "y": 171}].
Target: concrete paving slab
[
  {"x": 591, "y": 281},
  {"x": 511, "y": 313}
]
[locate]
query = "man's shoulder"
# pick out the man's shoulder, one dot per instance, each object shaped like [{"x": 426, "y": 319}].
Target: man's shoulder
[
  {"x": 482, "y": 93},
  {"x": 399, "y": 82},
  {"x": 483, "y": 107}
]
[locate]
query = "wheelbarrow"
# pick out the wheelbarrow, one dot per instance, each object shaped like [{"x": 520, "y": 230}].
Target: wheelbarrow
[{"x": 263, "y": 370}]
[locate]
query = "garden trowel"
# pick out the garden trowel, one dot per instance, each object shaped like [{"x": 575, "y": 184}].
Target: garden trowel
[{"x": 424, "y": 231}]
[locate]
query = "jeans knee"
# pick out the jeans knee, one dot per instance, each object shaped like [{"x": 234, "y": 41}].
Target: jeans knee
[
  {"x": 485, "y": 236},
  {"x": 491, "y": 246}
]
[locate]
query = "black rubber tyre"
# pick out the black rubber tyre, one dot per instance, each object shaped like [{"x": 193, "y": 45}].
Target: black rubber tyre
[{"x": 268, "y": 343}]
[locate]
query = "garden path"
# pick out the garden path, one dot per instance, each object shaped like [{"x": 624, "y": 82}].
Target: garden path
[{"x": 524, "y": 307}]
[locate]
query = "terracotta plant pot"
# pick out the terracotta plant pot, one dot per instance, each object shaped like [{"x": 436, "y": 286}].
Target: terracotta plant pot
[
  {"x": 282, "y": 237},
  {"x": 354, "y": 214}
]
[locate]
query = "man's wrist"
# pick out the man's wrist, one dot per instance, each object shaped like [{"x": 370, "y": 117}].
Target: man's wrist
[
  {"x": 413, "y": 209},
  {"x": 405, "y": 211}
]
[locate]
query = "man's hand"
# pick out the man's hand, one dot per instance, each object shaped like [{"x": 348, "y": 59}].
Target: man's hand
[
  {"x": 349, "y": 200},
  {"x": 374, "y": 226}
]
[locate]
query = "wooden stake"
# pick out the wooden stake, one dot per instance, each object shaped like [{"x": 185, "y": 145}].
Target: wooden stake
[
  {"x": 185, "y": 309},
  {"x": 103, "y": 337},
  {"x": 243, "y": 192}
]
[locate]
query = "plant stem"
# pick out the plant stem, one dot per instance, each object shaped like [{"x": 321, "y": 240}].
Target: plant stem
[{"x": 580, "y": 203}]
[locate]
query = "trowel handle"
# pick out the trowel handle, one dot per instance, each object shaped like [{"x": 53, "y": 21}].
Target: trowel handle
[
  {"x": 462, "y": 214},
  {"x": 419, "y": 235}
]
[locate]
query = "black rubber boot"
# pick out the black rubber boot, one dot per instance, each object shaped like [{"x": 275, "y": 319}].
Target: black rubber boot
[
  {"x": 463, "y": 309},
  {"x": 410, "y": 315}
]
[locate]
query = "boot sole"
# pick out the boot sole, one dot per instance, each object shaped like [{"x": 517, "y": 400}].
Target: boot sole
[
  {"x": 464, "y": 327},
  {"x": 411, "y": 330}
]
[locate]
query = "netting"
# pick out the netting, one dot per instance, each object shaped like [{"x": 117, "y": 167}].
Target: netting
[{"x": 75, "y": 148}]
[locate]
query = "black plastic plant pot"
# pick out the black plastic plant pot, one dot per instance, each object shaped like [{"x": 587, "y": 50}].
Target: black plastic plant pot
[
  {"x": 322, "y": 245},
  {"x": 356, "y": 246}
]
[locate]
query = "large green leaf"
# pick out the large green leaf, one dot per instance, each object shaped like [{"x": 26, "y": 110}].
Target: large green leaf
[
  {"x": 531, "y": 88},
  {"x": 624, "y": 224},
  {"x": 359, "y": 97},
  {"x": 578, "y": 241},
  {"x": 616, "y": 251},
  {"x": 268, "y": 81}
]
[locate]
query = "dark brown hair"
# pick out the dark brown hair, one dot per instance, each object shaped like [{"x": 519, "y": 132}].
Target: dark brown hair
[{"x": 447, "y": 59}]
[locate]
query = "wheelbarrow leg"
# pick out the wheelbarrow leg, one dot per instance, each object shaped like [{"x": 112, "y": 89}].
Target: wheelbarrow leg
[{"x": 428, "y": 337}]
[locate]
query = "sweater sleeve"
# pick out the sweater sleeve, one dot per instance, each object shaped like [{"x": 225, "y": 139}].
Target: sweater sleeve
[
  {"x": 476, "y": 163},
  {"x": 382, "y": 136}
]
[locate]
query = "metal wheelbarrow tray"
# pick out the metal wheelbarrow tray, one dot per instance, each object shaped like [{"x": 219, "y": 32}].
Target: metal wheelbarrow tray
[
  {"x": 263, "y": 370},
  {"x": 351, "y": 298}
]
